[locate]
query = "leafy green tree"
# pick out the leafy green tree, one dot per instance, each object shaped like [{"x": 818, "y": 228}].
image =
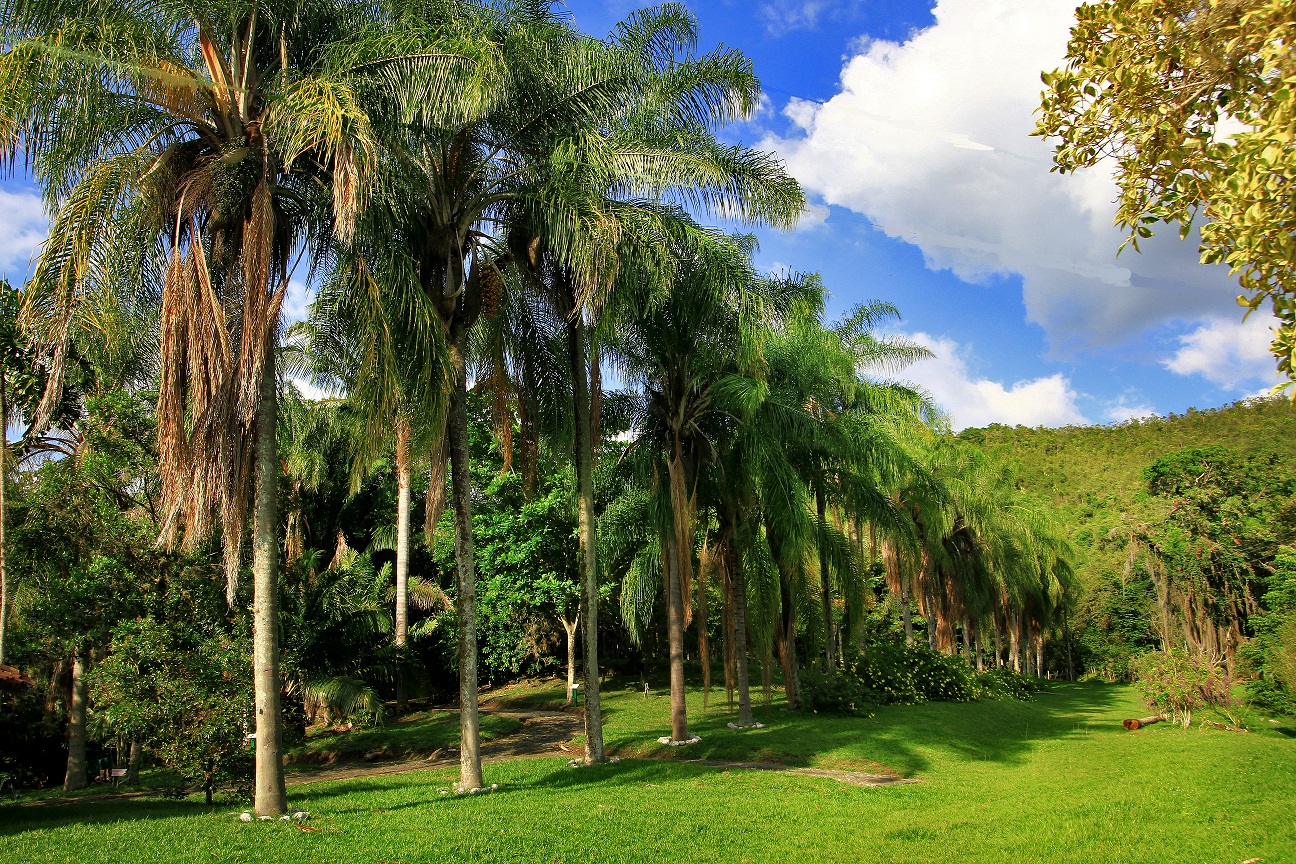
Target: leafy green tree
[
  {"x": 184, "y": 148},
  {"x": 1159, "y": 86},
  {"x": 80, "y": 557},
  {"x": 1212, "y": 550},
  {"x": 185, "y": 693}
]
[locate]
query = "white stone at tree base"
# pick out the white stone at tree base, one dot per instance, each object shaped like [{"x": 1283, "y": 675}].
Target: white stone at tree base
[
  {"x": 753, "y": 726},
  {"x": 667, "y": 740}
]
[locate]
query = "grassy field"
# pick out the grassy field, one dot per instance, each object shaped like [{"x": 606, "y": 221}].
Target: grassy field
[
  {"x": 1053, "y": 780},
  {"x": 413, "y": 735}
]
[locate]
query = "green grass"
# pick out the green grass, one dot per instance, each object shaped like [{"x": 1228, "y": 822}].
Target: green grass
[
  {"x": 413, "y": 735},
  {"x": 1053, "y": 780}
]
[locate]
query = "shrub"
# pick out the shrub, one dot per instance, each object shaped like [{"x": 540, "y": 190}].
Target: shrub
[
  {"x": 186, "y": 695},
  {"x": 900, "y": 675},
  {"x": 1176, "y": 683},
  {"x": 1006, "y": 684},
  {"x": 837, "y": 692},
  {"x": 888, "y": 673}
]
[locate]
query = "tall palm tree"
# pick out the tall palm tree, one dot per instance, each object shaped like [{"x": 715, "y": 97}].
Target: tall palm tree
[
  {"x": 530, "y": 86},
  {"x": 182, "y": 148},
  {"x": 694, "y": 355},
  {"x": 597, "y": 228},
  {"x": 357, "y": 342}
]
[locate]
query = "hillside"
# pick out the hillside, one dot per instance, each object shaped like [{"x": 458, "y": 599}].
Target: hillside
[{"x": 1092, "y": 476}]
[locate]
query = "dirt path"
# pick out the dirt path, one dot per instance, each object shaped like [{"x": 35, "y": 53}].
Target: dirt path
[
  {"x": 547, "y": 733},
  {"x": 542, "y": 733},
  {"x": 855, "y": 778}
]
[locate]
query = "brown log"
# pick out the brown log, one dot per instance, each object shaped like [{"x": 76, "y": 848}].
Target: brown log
[{"x": 1133, "y": 724}]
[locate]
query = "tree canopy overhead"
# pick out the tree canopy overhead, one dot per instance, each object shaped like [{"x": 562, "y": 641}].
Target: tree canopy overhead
[{"x": 1195, "y": 101}]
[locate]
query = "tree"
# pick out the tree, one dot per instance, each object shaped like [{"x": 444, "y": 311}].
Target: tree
[
  {"x": 1211, "y": 553},
  {"x": 80, "y": 555},
  {"x": 184, "y": 148},
  {"x": 1160, "y": 86},
  {"x": 184, "y": 694},
  {"x": 595, "y": 233}
]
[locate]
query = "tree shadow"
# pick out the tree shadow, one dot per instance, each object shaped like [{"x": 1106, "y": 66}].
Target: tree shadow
[
  {"x": 898, "y": 739},
  {"x": 905, "y": 740},
  {"x": 21, "y": 816}
]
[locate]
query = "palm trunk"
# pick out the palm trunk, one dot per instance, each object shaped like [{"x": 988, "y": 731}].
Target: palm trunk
[
  {"x": 1014, "y": 647},
  {"x": 1066, "y": 634},
  {"x": 570, "y": 627},
  {"x": 787, "y": 639},
  {"x": 470, "y": 773},
  {"x": 738, "y": 587},
  {"x": 929, "y": 614},
  {"x": 967, "y": 640},
  {"x": 977, "y": 644},
  {"x": 403, "y": 432},
  {"x": 133, "y": 764},
  {"x": 825, "y": 593},
  {"x": 4, "y": 452},
  {"x": 76, "y": 759},
  {"x": 270, "y": 795},
  {"x": 703, "y": 631},
  {"x": 906, "y": 610},
  {"x": 578, "y": 358},
  {"x": 998, "y": 643},
  {"x": 1039, "y": 654},
  {"x": 675, "y": 635},
  {"x": 726, "y": 620}
]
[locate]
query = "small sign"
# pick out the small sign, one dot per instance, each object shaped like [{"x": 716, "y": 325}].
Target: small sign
[{"x": 117, "y": 772}]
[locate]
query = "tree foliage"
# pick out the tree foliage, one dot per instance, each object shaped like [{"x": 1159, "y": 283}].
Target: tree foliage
[{"x": 1195, "y": 101}]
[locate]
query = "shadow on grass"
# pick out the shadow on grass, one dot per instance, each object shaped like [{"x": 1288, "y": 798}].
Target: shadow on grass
[
  {"x": 899, "y": 739},
  {"x": 46, "y": 816}
]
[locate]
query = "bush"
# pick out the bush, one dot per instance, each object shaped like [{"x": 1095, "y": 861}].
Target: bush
[
  {"x": 888, "y": 673},
  {"x": 186, "y": 695},
  {"x": 900, "y": 675},
  {"x": 1176, "y": 683},
  {"x": 1006, "y": 684},
  {"x": 835, "y": 693}
]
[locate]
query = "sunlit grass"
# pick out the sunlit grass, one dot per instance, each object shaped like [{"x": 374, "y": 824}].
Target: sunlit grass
[{"x": 1053, "y": 780}]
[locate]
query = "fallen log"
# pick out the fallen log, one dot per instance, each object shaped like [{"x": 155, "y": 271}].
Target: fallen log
[{"x": 1133, "y": 724}]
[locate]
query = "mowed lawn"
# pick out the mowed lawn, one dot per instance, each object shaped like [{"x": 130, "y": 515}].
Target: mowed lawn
[{"x": 1053, "y": 780}]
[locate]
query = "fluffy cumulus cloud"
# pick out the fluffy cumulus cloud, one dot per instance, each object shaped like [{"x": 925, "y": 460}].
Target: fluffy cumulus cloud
[
  {"x": 22, "y": 228},
  {"x": 1123, "y": 410},
  {"x": 970, "y": 400},
  {"x": 930, "y": 139},
  {"x": 1230, "y": 353},
  {"x": 297, "y": 300}
]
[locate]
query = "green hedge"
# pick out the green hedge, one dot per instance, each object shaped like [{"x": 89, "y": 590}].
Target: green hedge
[{"x": 891, "y": 674}]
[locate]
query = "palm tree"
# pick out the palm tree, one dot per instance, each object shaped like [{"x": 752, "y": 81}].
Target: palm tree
[
  {"x": 529, "y": 84},
  {"x": 357, "y": 342},
  {"x": 591, "y": 222},
  {"x": 693, "y": 355},
  {"x": 182, "y": 147}
]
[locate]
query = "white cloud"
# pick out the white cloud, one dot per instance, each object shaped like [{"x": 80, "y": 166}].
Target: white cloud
[
  {"x": 296, "y": 302},
  {"x": 813, "y": 216},
  {"x": 310, "y": 391},
  {"x": 1228, "y": 352},
  {"x": 22, "y": 228},
  {"x": 930, "y": 139},
  {"x": 975, "y": 401},
  {"x": 781, "y": 16},
  {"x": 1122, "y": 411}
]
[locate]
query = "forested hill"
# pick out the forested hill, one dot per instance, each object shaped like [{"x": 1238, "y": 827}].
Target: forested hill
[{"x": 1092, "y": 476}]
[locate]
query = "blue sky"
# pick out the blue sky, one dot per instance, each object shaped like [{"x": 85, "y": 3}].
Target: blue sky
[{"x": 907, "y": 123}]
